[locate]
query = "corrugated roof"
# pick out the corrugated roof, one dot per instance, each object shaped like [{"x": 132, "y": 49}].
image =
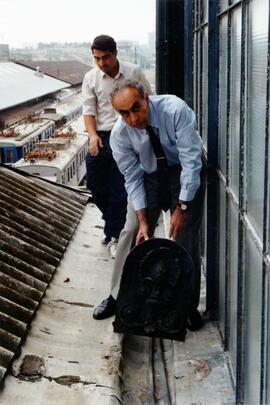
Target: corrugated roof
[
  {"x": 37, "y": 221},
  {"x": 19, "y": 84},
  {"x": 70, "y": 71}
]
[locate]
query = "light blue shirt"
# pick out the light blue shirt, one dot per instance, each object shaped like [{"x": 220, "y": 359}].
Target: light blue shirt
[{"x": 175, "y": 124}]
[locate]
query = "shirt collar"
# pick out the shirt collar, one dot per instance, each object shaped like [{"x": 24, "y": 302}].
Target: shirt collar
[{"x": 120, "y": 72}]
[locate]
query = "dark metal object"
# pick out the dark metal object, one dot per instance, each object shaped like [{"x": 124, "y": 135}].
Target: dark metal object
[
  {"x": 212, "y": 163},
  {"x": 154, "y": 294},
  {"x": 170, "y": 47}
]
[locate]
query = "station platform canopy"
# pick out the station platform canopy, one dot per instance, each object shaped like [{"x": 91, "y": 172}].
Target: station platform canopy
[{"x": 19, "y": 84}]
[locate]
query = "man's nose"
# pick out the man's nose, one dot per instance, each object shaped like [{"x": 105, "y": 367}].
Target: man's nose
[
  {"x": 101, "y": 62},
  {"x": 133, "y": 119}
]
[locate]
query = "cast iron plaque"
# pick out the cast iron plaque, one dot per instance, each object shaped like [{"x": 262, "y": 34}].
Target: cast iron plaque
[{"x": 154, "y": 294}]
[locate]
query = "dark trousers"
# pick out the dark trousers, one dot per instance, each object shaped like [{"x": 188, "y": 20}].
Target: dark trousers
[
  {"x": 106, "y": 183},
  {"x": 190, "y": 237}
]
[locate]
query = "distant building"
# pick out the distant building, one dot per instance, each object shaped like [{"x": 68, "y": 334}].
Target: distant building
[
  {"x": 4, "y": 52},
  {"x": 127, "y": 50}
]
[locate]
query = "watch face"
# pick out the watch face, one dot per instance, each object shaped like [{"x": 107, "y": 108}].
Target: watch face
[{"x": 183, "y": 207}]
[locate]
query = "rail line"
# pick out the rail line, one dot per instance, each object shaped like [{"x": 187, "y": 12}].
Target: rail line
[
  {"x": 160, "y": 374},
  {"x": 147, "y": 371}
]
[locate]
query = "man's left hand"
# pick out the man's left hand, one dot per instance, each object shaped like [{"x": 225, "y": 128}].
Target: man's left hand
[{"x": 178, "y": 220}]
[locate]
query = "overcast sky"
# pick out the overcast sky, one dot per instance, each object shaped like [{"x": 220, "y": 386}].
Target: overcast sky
[{"x": 25, "y": 22}]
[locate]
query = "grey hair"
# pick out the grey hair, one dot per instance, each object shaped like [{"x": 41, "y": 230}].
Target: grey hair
[{"x": 134, "y": 84}]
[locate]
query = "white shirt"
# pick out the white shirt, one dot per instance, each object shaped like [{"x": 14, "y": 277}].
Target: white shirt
[
  {"x": 175, "y": 124},
  {"x": 96, "y": 90}
]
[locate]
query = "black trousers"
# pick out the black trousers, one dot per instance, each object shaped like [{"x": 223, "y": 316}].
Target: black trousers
[{"x": 190, "y": 237}]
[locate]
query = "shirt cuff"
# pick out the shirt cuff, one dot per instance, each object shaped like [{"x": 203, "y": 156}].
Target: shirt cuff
[
  {"x": 139, "y": 203},
  {"x": 186, "y": 195}
]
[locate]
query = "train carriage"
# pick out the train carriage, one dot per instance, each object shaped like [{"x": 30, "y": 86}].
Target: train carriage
[
  {"x": 17, "y": 140},
  {"x": 61, "y": 158}
]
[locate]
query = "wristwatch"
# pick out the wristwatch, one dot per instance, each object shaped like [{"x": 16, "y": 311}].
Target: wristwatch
[{"x": 183, "y": 206}]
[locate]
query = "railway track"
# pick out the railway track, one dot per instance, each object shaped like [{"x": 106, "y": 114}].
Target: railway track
[
  {"x": 161, "y": 373},
  {"x": 147, "y": 371}
]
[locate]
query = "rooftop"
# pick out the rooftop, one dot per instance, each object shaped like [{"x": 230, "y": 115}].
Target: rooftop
[
  {"x": 19, "y": 84},
  {"x": 69, "y": 71}
]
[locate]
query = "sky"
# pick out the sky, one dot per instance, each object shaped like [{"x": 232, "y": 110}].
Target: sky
[{"x": 25, "y": 22}]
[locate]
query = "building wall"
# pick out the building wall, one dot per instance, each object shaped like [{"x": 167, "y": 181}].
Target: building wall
[
  {"x": 230, "y": 46},
  {"x": 4, "y": 52}
]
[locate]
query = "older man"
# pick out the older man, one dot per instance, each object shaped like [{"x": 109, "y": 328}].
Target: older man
[
  {"x": 102, "y": 174},
  {"x": 157, "y": 148}
]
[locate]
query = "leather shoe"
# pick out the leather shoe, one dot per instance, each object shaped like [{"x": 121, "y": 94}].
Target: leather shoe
[
  {"x": 106, "y": 309},
  {"x": 194, "y": 320}
]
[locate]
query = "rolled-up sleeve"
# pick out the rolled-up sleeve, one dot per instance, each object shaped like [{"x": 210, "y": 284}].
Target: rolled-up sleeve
[
  {"x": 89, "y": 97},
  {"x": 129, "y": 165},
  {"x": 189, "y": 145}
]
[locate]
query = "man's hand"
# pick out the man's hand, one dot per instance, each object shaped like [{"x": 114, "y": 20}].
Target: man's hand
[
  {"x": 142, "y": 233},
  {"x": 178, "y": 220},
  {"x": 143, "y": 226},
  {"x": 95, "y": 143}
]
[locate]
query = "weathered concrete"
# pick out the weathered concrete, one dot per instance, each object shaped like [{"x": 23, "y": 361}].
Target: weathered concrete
[
  {"x": 73, "y": 358},
  {"x": 200, "y": 367}
]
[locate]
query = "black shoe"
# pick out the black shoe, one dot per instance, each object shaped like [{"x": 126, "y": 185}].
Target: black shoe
[
  {"x": 105, "y": 309},
  {"x": 194, "y": 320}
]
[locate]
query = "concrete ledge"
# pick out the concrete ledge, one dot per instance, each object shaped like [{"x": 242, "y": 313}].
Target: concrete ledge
[{"x": 68, "y": 357}]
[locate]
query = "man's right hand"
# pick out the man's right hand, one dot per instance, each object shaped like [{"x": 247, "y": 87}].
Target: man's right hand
[
  {"x": 95, "y": 143},
  {"x": 143, "y": 226},
  {"x": 142, "y": 234}
]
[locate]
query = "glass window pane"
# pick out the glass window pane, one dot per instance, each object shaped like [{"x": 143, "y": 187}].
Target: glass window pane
[
  {"x": 196, "y": 74},
  {"x": 196, "y": 12},
  {"x": 205, "y": 10},
  {"x": 267, "y": 242},
  {"x": 236, "y": 24},
  {"x": 233, "y": 280},
  {"x": 253, "y": 308},
  {"x": 205, "y": 86},
  {"x": 223, "y": 68},
  {"x": 256, "y": 106},
  {"x": 223, "y": 5},
  {"x": 222, "y": 258},
  {"x": 10, "y": 156},
  {"x": 197, "y": 87},
  {"x": 268, "y": 333}
]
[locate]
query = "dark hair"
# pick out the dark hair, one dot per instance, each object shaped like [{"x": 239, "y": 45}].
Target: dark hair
[
  {"x": 123, "y": 84},
  {"x": 104, "y": 43}
]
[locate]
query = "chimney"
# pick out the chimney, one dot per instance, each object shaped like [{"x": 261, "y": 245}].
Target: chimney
[{"x": 38, "y": 72}]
